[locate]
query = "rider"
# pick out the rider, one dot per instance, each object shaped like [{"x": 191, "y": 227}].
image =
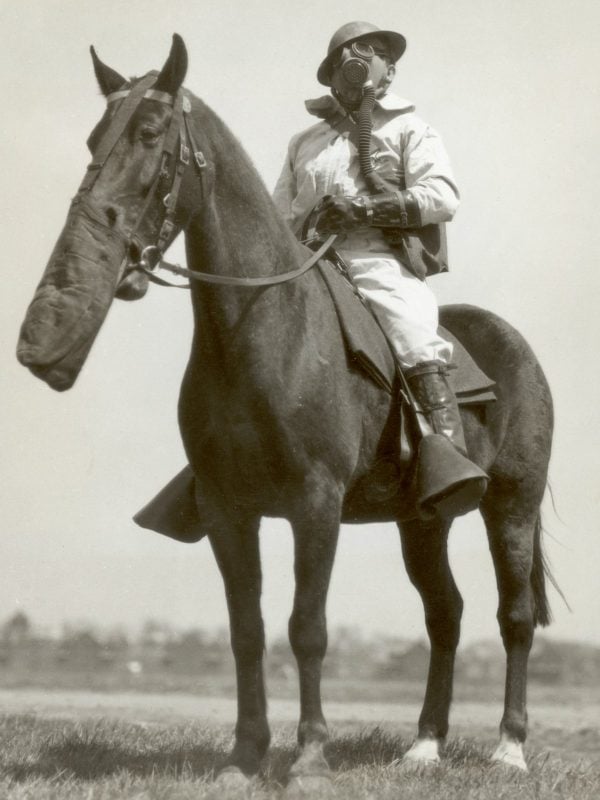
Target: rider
[
  {"x": 376, "y": 175},
  {"x": 382, "y": 181}
]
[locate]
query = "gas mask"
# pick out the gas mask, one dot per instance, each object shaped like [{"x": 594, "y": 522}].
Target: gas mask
[
  {"x": 355, "y": 70},
  {"x": 357, "y": 79}
]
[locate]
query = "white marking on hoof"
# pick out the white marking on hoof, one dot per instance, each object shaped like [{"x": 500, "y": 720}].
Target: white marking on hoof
[
  {"x": 424, "y": 752},
  {"x": 510, "y": 752},
  {"x": 311, "y": 762}
]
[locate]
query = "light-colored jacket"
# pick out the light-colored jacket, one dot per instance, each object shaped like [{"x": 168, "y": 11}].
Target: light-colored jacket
[{"x": 405, "y": 150}]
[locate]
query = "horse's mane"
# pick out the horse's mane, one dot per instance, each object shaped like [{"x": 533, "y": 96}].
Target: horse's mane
[{"x": 237, "y": 178}]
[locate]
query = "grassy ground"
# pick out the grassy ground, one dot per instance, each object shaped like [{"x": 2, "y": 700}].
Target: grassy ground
[
  {"x": 110, "y": 760},
  {"x": 93, "y": 746}
]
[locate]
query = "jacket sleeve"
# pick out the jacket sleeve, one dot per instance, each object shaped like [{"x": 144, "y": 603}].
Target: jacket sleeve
[
  {"x": 428, "y": 174},
  {"x": 285, "y": 189}
]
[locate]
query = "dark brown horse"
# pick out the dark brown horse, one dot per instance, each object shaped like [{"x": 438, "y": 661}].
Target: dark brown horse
[{"x": 274, "y": 420}]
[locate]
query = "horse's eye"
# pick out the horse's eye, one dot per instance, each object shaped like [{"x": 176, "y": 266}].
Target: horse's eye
[{"x": 149, "y": 136}]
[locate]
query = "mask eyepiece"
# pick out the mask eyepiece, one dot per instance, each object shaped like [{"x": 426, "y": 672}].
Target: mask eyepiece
[{"x": 362, "y": 50}]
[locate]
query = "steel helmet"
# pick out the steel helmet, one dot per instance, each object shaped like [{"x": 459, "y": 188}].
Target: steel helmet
[{"x": 351, "y": 31}]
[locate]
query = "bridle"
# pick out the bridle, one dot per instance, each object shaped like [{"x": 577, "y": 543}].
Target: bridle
[{"x": 179, "y": 144}]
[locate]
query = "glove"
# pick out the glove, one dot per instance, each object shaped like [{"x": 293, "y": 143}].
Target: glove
[
  {"x": 389, "y": 210},
  {"x": 338, "y": 214}
]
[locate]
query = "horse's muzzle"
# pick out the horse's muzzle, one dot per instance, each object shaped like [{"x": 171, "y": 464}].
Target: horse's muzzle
[
  {"x": 72, "y": 299},
  {"x": 133, "y": 284}
]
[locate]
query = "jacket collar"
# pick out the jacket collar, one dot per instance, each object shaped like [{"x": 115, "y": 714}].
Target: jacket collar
[
  {"x": 326, "y": 107},
  {"x": 391, "y": 102}
]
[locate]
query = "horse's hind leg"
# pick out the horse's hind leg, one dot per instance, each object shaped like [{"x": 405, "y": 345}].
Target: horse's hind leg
[
  {"x": 235, "y": 545},
  {"x": 424, "y": 546},
  {"x": 513, "y": 527},
  {"x": 315, "y": 524}
]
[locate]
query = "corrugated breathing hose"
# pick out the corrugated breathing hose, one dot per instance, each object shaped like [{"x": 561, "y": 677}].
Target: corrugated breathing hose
[{"x": 365, "y": 127}]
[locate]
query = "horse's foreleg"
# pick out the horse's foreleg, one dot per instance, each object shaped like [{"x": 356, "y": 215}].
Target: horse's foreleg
[
  {"x": 511, "y": 544},
  {"x": 424, "y": 546},
  {"x": 235, "y": 545},
  {"x": 315, "y": 525}
]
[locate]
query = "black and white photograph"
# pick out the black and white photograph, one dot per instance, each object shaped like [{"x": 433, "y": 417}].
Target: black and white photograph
[{"x": 300, "y": 405}]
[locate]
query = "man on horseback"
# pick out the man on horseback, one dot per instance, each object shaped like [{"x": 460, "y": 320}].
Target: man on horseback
[{"x": 377, "y": 176}]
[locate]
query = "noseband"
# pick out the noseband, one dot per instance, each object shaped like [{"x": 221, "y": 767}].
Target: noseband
[{"x": 180, "y": 141}]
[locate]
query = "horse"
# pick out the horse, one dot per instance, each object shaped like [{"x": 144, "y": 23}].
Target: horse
[{"x": 275, "y": 420}]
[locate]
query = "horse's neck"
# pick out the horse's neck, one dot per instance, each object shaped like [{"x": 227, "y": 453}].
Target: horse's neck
[
  {"x": 245, "y": 334},
  {"x": 240, "y": 240},
  {"x": 238, "y": 232}
]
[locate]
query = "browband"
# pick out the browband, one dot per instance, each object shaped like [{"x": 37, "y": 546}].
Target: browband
[{"x": 151, "y": 94}]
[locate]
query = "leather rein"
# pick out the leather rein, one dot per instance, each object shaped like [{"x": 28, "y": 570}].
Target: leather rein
[{"x": 179, "y": 142}]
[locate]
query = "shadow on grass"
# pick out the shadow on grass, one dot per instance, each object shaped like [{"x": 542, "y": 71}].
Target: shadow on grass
[
  {"x": 100, "y": 749},
  {"x": 93, "y": 761},
  {"x": 51, "y": 749},
  {"x": 371, "y": 747}
]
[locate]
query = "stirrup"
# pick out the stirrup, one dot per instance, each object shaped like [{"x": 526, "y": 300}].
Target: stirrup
[{"x": 447, "y": 484}]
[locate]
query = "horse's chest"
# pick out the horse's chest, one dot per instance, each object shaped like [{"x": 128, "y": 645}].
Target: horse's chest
[{"x": 234, "y": 448}]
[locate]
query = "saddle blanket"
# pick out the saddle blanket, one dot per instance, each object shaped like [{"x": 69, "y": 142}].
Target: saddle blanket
[{"x": 369, "y": 348}]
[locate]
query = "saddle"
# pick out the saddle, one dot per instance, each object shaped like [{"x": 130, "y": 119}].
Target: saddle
[
  {"x": 369, "y": 350},
  {"x": 174, "y": 511}
]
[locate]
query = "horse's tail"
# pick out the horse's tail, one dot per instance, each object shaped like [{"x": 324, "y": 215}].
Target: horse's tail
[{"x": 539, "y": 572}]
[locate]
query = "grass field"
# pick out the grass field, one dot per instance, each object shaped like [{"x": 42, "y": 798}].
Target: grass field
[{"x": 107, "y": 746}]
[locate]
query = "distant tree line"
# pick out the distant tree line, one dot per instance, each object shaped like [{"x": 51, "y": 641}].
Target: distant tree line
[{"x": 158, "y": 648}]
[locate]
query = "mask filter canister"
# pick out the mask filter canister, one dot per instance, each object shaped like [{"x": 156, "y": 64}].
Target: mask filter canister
[{"x": 356, "y": 62}]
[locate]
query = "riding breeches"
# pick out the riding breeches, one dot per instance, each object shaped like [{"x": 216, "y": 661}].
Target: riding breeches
[{"x": 405, "y": 306}]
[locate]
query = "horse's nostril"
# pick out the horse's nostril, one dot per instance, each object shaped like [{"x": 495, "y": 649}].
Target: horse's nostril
[
  {"x": 134, "y": 253},
  {"x": 111, "y": 215}
]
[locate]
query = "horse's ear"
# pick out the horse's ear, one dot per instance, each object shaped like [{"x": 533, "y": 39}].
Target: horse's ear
[
  {"x": 108, "y": 80},
  {"x": 173, "y": 73}
]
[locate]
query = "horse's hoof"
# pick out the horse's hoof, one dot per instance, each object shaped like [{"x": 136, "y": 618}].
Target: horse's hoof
[
  {"x": 423, "y": 753},
  {"x": 510, "y": 753},
  {"x": 316, "y": 787},
  {"x": 512, "y": 760},
  {"x": 231, "y": 783}
]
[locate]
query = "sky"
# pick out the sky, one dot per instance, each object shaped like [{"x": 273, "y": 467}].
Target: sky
[{"x": 513, "y": 89}]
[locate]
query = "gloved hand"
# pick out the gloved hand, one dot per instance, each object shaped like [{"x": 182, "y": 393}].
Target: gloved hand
[
  {"x": 338, "y": 214},
  {"x": 389, "y": 210}
]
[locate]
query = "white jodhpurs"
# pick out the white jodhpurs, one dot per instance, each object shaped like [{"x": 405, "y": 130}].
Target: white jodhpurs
[{"x": 405, "y": 306}]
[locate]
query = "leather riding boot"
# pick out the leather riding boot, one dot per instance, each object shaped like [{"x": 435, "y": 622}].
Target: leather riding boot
[
  {"x": 448, "y": 484},
  {"x": 435, "y": 402}
]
